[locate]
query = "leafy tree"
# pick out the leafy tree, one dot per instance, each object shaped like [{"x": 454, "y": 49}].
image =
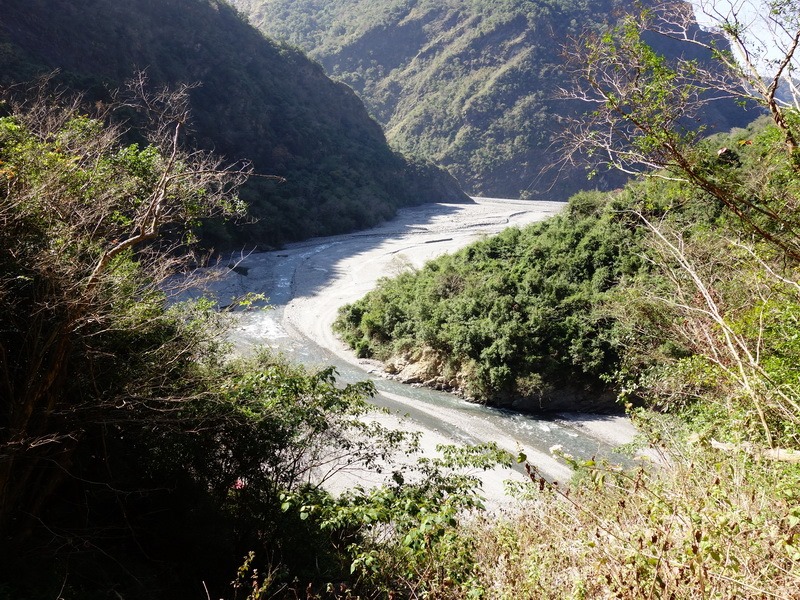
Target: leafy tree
[
  {"x": 645, "y": 105},
  {"x": 90, "y": 232},
  {"x": 726, "y": 285},
  {"x": 408, "y": 532},
  {"x": 761, "y": 63}
]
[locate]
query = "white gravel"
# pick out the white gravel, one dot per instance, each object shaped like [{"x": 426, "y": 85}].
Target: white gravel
[{"x": 330, "y": 272}]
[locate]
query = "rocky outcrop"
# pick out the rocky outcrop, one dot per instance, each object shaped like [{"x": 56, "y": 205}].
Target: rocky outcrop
[{"x": 427, "y": 368}]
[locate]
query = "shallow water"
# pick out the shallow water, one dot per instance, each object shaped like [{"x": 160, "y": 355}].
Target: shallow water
[{"x": 307, "y": 282}]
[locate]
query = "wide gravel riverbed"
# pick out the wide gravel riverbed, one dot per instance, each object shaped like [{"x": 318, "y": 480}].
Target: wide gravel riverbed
[{"x": 306, "y": 283}]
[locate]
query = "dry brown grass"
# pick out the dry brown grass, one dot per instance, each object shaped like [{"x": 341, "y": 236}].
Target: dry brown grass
[{"x": 711, "y": 526}]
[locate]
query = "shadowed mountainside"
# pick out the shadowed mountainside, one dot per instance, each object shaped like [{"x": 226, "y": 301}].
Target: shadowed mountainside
[{"x": 257, "y": 99}]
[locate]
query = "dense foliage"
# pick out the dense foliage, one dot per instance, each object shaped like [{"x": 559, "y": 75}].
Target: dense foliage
[
  {"x": 473, "y": 86},
  {"x": 137, "y": 457},
  {"x": 256, "y": 99},
  {"x": 103, "y": 386},
  {"x": 516, "y": 319}
]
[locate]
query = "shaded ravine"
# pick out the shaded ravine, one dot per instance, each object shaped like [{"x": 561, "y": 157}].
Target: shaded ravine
[{"x": 306, "y": 284}]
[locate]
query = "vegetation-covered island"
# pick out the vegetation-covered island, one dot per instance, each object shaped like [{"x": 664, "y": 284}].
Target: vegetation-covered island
[{"x": 139, "y": 459}]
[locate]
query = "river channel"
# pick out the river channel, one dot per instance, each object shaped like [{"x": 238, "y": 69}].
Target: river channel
[{"x": 307, "y": 282}]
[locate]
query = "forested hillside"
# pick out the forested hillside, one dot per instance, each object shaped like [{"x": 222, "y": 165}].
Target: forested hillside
[
  {"x": 473, "y": 86},
  {"x": 140, "y": 459},
  {"x": 255, "y": 99},
  {"x": 680, "y": 292}
]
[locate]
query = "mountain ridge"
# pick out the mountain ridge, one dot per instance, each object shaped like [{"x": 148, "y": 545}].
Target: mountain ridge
[
  {"x": 257, "y": 99},
  {"x": 472, "y": 86}
]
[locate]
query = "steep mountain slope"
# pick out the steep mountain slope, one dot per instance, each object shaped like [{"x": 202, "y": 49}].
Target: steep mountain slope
[
  {"x": 470, "y": 85},
  {"x": 257, "y": 99}
]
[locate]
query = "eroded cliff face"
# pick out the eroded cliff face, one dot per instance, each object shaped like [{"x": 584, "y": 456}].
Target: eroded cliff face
[{"x": 428, "y": 368}]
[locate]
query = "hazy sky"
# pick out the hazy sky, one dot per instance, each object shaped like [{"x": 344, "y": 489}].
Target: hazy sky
[{"x": 764, "y": 35}]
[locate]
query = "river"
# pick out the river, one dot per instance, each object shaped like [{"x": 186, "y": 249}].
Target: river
[{"x": 307, "y": 282}]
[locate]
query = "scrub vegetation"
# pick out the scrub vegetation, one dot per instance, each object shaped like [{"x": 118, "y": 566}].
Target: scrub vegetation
[{"x": 139, "y": 459}]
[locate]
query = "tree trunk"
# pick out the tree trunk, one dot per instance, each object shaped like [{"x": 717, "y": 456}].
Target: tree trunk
[{"x": 35, "y": 452}]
